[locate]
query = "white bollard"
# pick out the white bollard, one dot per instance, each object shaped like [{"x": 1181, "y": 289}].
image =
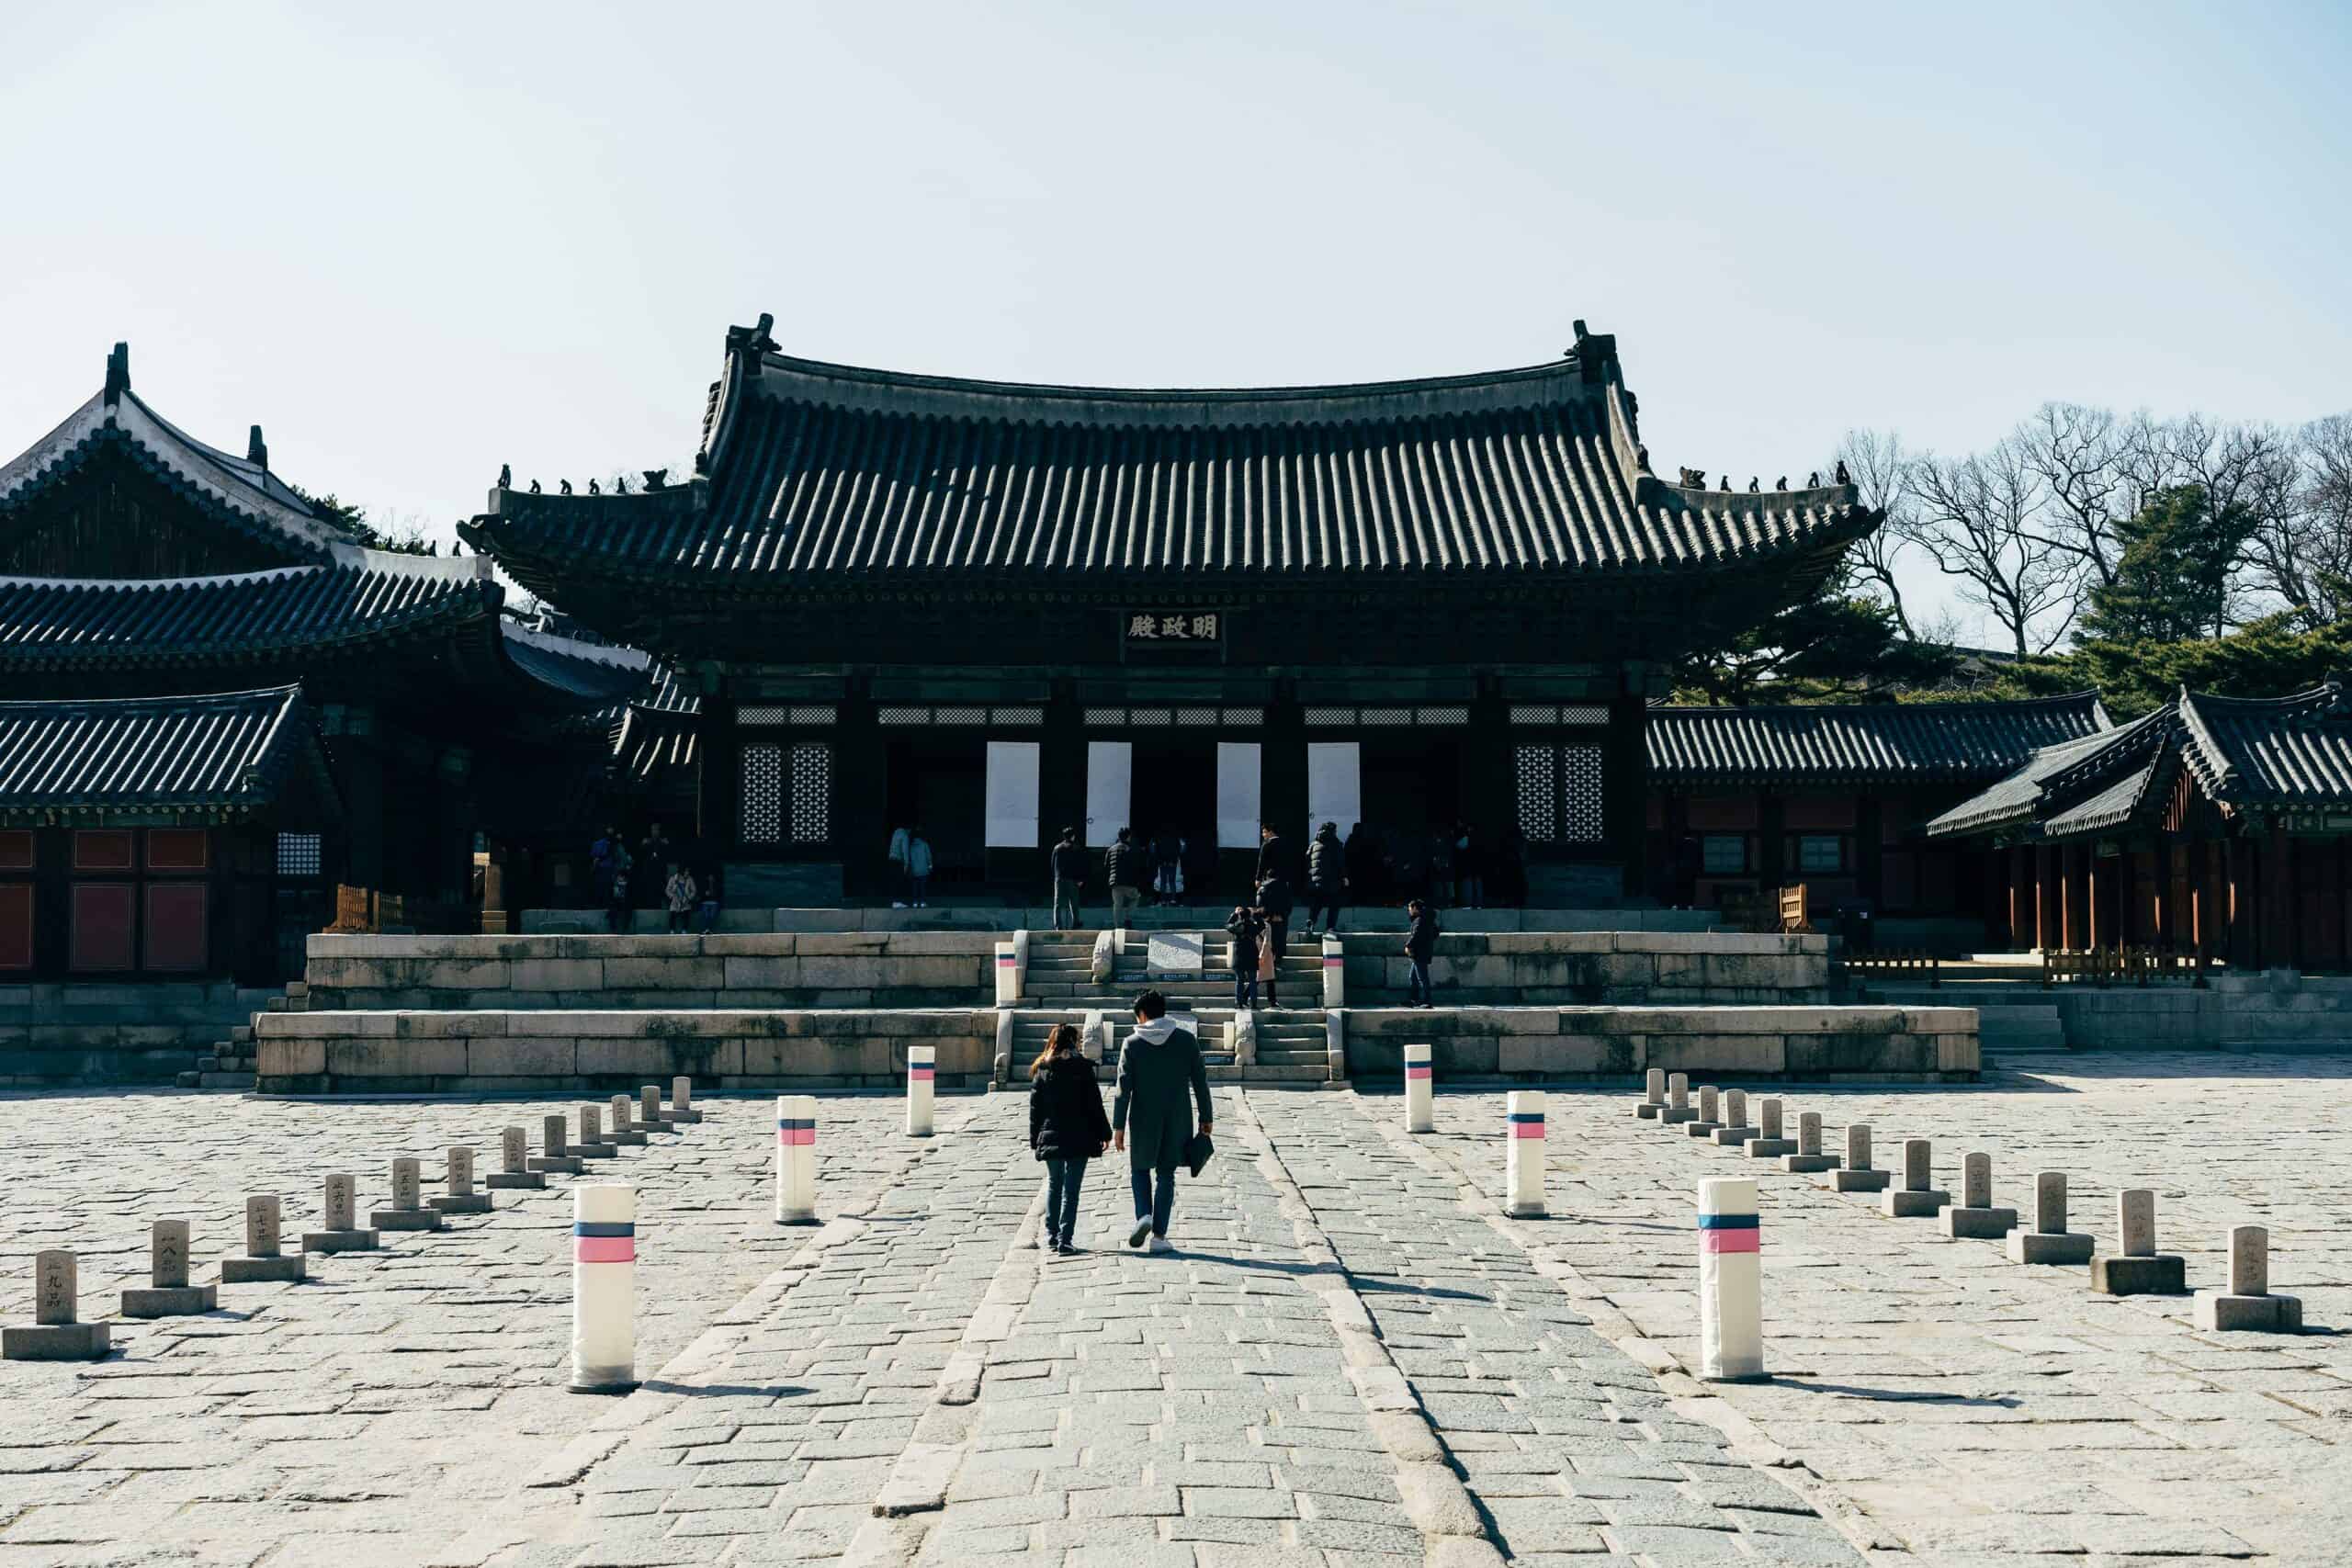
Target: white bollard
[
  {"x": 1731, "y": 1281},
  {"x": 1335, "y": 973},
  {"x": 921, "y": 1066},
  {"x": 1523, "y": 1155},
  {"x": 796, "y": 1159},
  {"x": 1008, "y": 975},
  {"x": 604, "y": 1289},
  {"x": 1420, "y": 1106}
]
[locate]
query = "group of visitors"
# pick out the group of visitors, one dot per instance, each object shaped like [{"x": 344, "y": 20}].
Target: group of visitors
[
  {"x": 1457, "y": 866},
  {"x": 911, "y": 861},
  {"x": 657, "y": 874},
  {"x": 1161, "y": 1080}
]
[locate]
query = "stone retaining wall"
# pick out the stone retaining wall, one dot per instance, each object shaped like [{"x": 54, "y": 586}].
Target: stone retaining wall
[
  {"x": 1534, "y": 968},
  {"x": 1208, "y": 917},
  {"x": 842, "y": 969},
  {"x": 80, "y": 1033},
  {"x": 1851, "y": 1044},
  {"x": 2279, "y": 1010},
  {"x": 523, "y": 1052}
]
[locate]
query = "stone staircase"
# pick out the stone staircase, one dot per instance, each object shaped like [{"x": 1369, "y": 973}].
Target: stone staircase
[
  {"x": 1059, "y": 987},
  {"x": 229, "y": 1066},
  {"x": 2013, "y": 1019}
]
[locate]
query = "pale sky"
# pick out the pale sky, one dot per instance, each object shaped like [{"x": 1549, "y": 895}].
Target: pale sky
[{"x": 416, "y": 241}]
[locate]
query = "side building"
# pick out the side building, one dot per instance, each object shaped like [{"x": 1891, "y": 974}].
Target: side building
[
  {"x": 217, "y": 705},
  {"x": 992, "y": 610}
]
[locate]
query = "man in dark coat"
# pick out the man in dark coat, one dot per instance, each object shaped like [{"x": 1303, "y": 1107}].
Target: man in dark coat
[
  {"x": 1122, "y": 868},
  {"x": 1069, "y": 879},
  {"x": 1273, "y": 857},
  {"x": 1275, "y": 902},
  {"x": 1160, "y": 1079},
  {"x": 1326, "y": 878}
]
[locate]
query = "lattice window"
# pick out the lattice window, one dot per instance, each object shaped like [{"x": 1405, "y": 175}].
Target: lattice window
[
  {"x": 1584, "y": 713},
  {"x": 1538, "y": 793},
  {"x": 812, "y": 793},
  {"x": 1580, "y": 791},
  {"x": 759, "y": 717},
  {"x": 1821, "y": 852},
  {"x": 1106, "y": 718},
  {"x": 1016, "y": 716},
  {"x": 1526, "y": 713},
  {"x": 1388, "y": 716},
  {"x": 1331, "y": 717},
  {"x": 960, "y": 715},
  {"x": 297, "y": 855},
  {"x": 1150, "y": 716},
  {"x": 762, "y": 795},
  {"x": 1442, "y": 715},
  {"x": 1724, "y": 854},
  {"x": 904, "y": 716},
  {"x": 1195, "y": 717},
  {"x": 1245, "y": 717},
  {"x": 812, "y": 716}
]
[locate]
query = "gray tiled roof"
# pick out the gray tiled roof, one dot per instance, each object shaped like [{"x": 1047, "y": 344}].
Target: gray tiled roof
[
  {"x": 363, "y": 594},
  {"x": 2113, "y": 806},
  {"x": 2273, "y": 752},
  {"x": 819, "y": 470},
  {"x": 225, "y": 753},
  {"x": 2018, "y": 796},
  {"x": 242, "y": 491},
  {"x": 1909, "y": 742}
]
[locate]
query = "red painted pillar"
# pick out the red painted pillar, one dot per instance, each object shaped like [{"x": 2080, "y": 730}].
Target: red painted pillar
[
  {"x": 2278, "y": 926},
  {"x": 2046, "y": 932},
  {"x": 2095, "y": 931}
]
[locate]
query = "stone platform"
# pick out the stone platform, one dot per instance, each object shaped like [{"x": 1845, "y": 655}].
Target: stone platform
[{"x": 1859, "y": 1045}]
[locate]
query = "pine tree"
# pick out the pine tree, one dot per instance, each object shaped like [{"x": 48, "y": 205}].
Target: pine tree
[{"x": 2172, "y": 583}]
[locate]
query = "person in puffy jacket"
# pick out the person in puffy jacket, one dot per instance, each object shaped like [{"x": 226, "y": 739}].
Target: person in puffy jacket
[
  {"x": 1069, "y": 880},
  {"x": 1247, "y": 930},
  {"x": 1326, "y": 878},
  {"x": 1125, "y": 868},
  {"x": 1066, "y": 1128}
]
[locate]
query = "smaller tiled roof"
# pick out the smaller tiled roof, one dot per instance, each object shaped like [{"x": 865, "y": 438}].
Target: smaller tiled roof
[
  {"x": 223, "y": 754},
  {"x": 241, "y": 490},
  {"x": 361, "y": 594},
  {"x": 2272, "y": 752},
  {"x": 2051, "y": 773},
  {"x": 590, "y": 670},
  {"x": 2111, "y": 807},
  {"x": 1870, "y": 742}
]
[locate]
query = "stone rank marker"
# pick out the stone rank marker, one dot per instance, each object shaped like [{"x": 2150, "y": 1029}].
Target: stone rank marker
[
  {"x": 1974, "y": 1216},
  {"x": 1653, "y": 1094},
  {"x": 1768, "y": 1144},
  {"x": 459, "y": 1198},
  {"x": 514, "y": 1156},
  {"x": 2248, "y": 1306},
  {"x": 681, "y": 1101},
  {"x": 1857, "y": 1174},
  {"x": 266, "y": 1258},
  {"x": 1914, "y": 1199},
  {"x": 341, "y": 1218},
  {"x": 1705, "y": 1124},
  {"x": 2141, "y": 1270},
  {"x": 648, "y": 1110},
  {"x": 591, "y": 1144},
  {"x": 55, "y": 1336},
  {"x": 167, "y": 1293},
  {"x": 1808, "y": 1159},
  {"x": 407, "y": 1211},
  {"x": 2048, "y": 1241},
  {"x": 556, "y": 1151},
  {"x": 1678, "y": 1101},
  {"x": 623, "y": 1133},
  {"x": 1735, "y": 1130}
]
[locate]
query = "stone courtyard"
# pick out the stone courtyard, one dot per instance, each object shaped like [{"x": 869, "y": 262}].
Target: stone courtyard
[{"x": 1352, "y": 1359}]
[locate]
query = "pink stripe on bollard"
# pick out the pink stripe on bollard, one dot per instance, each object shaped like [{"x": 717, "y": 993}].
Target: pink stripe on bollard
[
  {"x": 1527, "y": 1129},
  {"x": 605, "y": 1249},
  {"x": 1422, "y": 1072},
  {"x": 1731, "y": 1241},
  {"x": 921, "y": 1075},
  {"x": 796, "y": 1135}
]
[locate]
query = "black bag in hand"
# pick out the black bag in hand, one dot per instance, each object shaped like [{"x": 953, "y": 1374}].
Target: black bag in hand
[{"x": 1197, "y": 1150}]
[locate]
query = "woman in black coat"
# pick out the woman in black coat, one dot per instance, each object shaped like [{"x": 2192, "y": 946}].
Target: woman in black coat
[{"x": 1066, "y": 1128}]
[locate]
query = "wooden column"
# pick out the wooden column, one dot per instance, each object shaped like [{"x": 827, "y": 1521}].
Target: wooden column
[
  {"x": 2046, "y": 933},
  {"x": 1623, "y": 805},
  {"x": 861, "y": 797},
  {"x": 2000, "y": 920},
  {"x": 1283, "y": 766},
  {"x": 2097, "y": 931},
  {"x": 2071, "y": 922},
  {"x": 2200, "y": 903}
]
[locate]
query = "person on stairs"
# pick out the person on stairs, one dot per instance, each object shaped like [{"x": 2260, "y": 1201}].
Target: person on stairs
[
  {"x": 1161, "y": 1077},
  {"x": 1122, "y": 868},
  {"x": 1069, "y": 880},
  {"x": 1066, "y": 1128},
  {"x": 1248, "y": 932},
  {"x": 1326, "y": 878}
]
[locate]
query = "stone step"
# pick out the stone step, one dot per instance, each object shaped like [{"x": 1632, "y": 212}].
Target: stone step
[{"x": 225, "y": 1081}]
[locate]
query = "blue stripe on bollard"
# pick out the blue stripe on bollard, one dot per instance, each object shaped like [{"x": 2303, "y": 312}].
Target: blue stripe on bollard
[
  {"x": 1524, "y": 1116},
  {"x": 604, "y": 1227},
  {"x": 1727, "y": 1222}
]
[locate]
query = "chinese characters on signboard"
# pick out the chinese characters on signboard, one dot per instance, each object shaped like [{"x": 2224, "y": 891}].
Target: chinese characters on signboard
[{"x": 1180, "y": 625}]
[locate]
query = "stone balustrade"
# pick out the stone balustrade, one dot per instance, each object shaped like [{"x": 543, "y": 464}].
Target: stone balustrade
[
  {"x": 1536, "y": 968},
  {"x": 1880, "y": 1045},
  {"x": 507, "y": 1050}
]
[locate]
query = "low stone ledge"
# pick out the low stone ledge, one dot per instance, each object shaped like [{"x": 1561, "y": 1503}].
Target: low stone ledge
[{"x": 1867, "y": 1043}]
